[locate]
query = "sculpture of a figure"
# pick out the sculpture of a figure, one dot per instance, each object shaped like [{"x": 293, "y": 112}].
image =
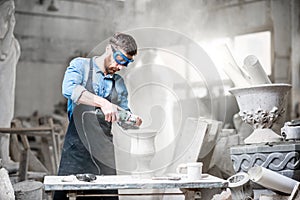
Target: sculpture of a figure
[{"x": 9, "y": 55}]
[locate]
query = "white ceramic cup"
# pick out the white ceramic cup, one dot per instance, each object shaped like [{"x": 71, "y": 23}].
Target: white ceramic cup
[{"x": 193, "y": 170}]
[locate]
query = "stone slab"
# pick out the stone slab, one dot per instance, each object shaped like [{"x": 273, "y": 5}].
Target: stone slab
[
  {"x": 283, "y": 157},
  {"x": 253, "y": 148}
]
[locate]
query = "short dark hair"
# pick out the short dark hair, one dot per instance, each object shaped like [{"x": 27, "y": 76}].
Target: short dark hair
[{"x": 125, "y": 42}]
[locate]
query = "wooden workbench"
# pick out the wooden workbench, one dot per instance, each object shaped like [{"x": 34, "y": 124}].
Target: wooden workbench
[{"x": 191, "y": 189}]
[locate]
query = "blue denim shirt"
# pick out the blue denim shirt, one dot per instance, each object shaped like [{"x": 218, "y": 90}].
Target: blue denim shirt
[{"x": 75, "y": 79}]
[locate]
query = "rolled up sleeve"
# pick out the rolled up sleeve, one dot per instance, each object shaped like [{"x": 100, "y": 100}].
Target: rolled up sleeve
[
  {"x": 72, "y": 83},
  {"x": 77, "y": 91}
]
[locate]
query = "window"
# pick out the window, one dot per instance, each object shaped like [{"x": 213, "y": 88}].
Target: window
[{"x": 257, "y": 44}]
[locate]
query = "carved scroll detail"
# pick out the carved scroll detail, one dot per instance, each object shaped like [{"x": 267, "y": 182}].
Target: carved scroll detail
[{"x": 274, "y": 161}]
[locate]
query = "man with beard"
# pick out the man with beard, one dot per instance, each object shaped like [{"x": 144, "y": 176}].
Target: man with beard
[{"x": 91, "y": 83}]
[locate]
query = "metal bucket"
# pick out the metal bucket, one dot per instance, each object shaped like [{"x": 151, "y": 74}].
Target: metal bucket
[{"x": 28, "y": 190}]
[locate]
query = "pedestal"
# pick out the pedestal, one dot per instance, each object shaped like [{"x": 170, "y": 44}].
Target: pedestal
[
  {"x": 263, "y": 136},
  {"x": 283, "y": 157}
]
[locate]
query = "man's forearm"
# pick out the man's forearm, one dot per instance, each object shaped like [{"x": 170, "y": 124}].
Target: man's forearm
[
  {"x": 91, "y": 99},
  {"x": 109, "y": 110}
]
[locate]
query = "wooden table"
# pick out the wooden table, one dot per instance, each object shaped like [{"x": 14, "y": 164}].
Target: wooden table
[{"x": 191, "y": 189}]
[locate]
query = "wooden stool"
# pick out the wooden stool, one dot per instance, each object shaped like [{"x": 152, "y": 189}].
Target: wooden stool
[{"x": 50, "y": 131}]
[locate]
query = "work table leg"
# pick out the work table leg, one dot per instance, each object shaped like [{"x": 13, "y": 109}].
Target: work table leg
[
  {"x": 203, "y": 194},
  {"x": 72, "y": 195}
]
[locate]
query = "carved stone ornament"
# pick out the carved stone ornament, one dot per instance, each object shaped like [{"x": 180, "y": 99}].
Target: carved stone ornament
[
  {"x": 261, "y": 118},
  {"x": 262, "y": 106}
]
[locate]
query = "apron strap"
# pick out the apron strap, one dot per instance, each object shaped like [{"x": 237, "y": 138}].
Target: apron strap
[
  {"x": 113, "y": 96},
  {"x": 89, "y": 82}
]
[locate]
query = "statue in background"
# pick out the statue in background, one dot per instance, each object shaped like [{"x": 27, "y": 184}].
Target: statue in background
[{"x": 9, "y": 55}]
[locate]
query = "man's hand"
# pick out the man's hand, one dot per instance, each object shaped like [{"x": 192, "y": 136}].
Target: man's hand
[
  {"x": 139, "y": 121},
  {"x": 110, "y": 111}
]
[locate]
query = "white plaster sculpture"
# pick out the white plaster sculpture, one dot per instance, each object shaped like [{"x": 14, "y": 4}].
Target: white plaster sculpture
[
  {"x": 238, "y": 75},
  {"x": 142, "y": 150},
  {"x": 6, "y": 188},
  {"x": 9, "y": 55},
  {"x": 255, "y": 71},
  {"x": 190, "y": 141},
  {"x": 272, "y": 180},
  {"x": 240, "y": 187},
  {"x": 252, "y": 73},
  {"x": 261, "y": 106},
  {"x": 291, "y": 130}
]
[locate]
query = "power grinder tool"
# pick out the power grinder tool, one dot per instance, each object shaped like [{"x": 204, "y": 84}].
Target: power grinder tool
[{"x": 126, "y": 119}]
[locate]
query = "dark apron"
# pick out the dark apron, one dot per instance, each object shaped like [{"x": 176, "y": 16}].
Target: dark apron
[{"x": 88, "y": 145}]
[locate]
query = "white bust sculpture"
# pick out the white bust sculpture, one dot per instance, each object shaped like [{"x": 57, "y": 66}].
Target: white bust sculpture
[{"x": 9, "y": 55}]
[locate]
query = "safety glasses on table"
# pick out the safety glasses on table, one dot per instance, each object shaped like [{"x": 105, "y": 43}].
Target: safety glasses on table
[{"x": 120, "y": 58}]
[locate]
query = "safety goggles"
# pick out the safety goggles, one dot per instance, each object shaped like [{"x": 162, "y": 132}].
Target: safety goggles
[{"x": 120, "y": 58}]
